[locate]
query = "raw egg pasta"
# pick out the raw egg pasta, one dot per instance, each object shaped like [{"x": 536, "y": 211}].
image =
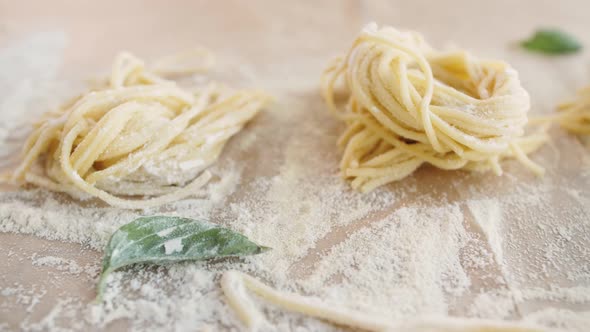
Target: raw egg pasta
[
  {"x": 406, "y": 104},
  {"x": 236, "y": 285},
  {"x": 138, "y": 134},
  {"x": 574, "y": 115}
]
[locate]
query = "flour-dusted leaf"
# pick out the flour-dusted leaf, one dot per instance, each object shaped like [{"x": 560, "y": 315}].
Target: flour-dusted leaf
[
  {"x": 552, "y": 41},
  {"x": 162, "y": 239}
]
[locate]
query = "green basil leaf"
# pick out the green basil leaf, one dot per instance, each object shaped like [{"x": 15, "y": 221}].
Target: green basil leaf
[
  {"x": 552, "y": 41},
  {"x": 162, "y": 239}
]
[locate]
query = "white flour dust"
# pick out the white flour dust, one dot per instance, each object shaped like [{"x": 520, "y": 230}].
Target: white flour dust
[
  {"x": 27, "y": 80},
  {"x": 437, "y": 243}
]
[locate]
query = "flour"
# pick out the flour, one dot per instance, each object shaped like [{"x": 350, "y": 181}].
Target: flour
[
  {"x": 64, "y": 309},
  {"x": 28, "y": 298},
  {"x": 392, "y": 267},
  {"x": 561, "y": 318},
  {"x": 172, "y": 246},
  {"x": 494, "y": 304},
  {"x": 487, "y": 214},
  {"x": 575, "y": 295},
  {"x": 441, "y": 243},
  {"x": 28, "y": 69},
  {"x": 67, "y": 265},
  {"x": 165, "y": 232}
]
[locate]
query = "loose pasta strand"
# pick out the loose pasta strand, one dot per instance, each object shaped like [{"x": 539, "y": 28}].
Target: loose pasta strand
[{"x": 236, "y": 284}]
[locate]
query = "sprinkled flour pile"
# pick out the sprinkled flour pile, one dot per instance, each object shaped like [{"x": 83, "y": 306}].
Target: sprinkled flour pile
[{"x": 436, "y": 243}]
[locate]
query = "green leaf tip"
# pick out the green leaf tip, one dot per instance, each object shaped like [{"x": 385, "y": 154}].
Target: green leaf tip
[{"x": 552, "y": 41}]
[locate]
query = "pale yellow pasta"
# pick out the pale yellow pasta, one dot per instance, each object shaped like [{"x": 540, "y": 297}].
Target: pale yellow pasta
[
  {"x": 574, "y": 116},
  {"x": 235, "y": 286},
  {"x": 139, "y": 134},
  {"x": 406, "y": 104}
]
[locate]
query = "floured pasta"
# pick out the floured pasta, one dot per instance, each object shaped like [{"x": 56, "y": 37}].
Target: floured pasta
[
  {"x": 574, "y": 116},
  {"x": 138, "y": 134},
  {"x": 407, "y": 104},
  {"x": 236, "y": 284}
]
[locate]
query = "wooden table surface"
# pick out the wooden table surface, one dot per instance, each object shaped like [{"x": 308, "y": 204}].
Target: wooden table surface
[{"x": 287, "y": 44}]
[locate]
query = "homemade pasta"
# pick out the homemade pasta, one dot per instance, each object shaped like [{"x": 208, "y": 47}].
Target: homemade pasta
[
  {"x": 234, "y": 285},
  {"x": 574, "y": 116},
  {"x": 138, "y": 134},
  {"x": 407, "y": 104}
]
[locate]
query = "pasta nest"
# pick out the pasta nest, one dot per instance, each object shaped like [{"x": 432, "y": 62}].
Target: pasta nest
[
  {"x": 406, "y": 104},
  {"x": 139, "y": 135}
]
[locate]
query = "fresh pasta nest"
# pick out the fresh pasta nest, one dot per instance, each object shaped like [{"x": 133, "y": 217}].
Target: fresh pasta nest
[
  {"x": 407, "y": 104},
  {"x": 139, "y": 135}
]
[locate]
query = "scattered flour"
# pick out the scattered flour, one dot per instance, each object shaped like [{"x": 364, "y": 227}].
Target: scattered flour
[
  {"x": 64, "y": 310},
  {"x": 172, "y": 246},
  {"x": 488, "y": 215},
  {"x": 561, "y": 318},
  {"x": 28, "y": 298},
  {"x": 28, "y": 69},
  {"x": 61, "y": 264},
  {"x": 495, "y": 305},
  {"x": 577, "y": 294}
]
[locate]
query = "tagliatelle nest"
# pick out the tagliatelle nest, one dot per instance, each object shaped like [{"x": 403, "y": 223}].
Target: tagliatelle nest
[
  {"x": 139, "y": 135},
  {"x": 407, "y": 104}
]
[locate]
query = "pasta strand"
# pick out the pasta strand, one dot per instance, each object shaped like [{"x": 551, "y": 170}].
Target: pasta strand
[{"x": 234, "y": 285}]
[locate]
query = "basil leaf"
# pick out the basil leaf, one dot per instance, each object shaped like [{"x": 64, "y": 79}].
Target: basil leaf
[
  {"x": 552, "y": 41},
  {"x": 162, "y": 239}
]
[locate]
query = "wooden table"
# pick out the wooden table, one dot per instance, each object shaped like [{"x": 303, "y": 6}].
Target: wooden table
[{"x": 288, "y": 44}]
